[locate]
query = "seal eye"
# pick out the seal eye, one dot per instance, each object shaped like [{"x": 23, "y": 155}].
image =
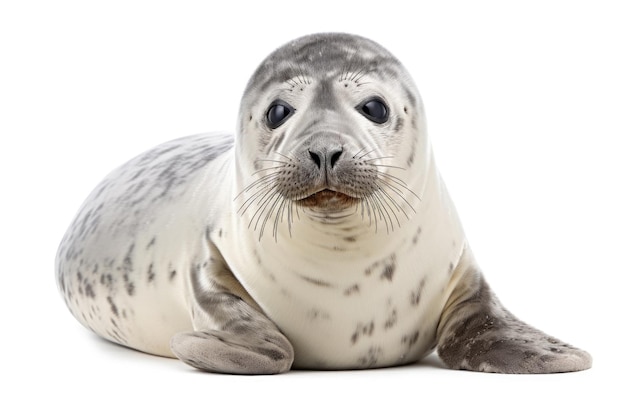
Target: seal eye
[
  {"x": 375, "y": 110},
  {"x": 278, "y": 112}
]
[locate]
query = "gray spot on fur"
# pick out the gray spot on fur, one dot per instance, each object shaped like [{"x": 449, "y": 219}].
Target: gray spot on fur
[
  {"x": 417, "y": 235},
  {"x": 388, "y": 272},
  {"x": 410, "y": 339},
  {"x": 354, "y": 289},
  {"x": 386, "y": 268},
  {"x": 113, "y": 306},
  {"x": 106, "y": 280},
  {"x": 391, "y": 320},
  {"x": 316, "y": 314},
  {"x": 317, "y": 282},
  {"x": 89, "y": 291},
  {"x": 324, "y": 96},
  {"x": 366, "y": 329},
  {"x": 416, "y": 294},
  {"x": 151, "y": 273},
  {"x": 371, "y": 357},
  {"x": 399, "y": 123},
  {"x": 127, "y": 264}
]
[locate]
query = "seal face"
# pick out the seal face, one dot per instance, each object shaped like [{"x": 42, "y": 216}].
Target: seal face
[
  {"x": 322, "y": 236},
  {"x": 332, "y": 118}
]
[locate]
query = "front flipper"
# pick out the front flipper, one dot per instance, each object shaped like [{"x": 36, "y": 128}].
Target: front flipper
[
  {"x": 232, "y": 333},
  {"x": 476, "y": 333},
  {"x": 246, "y": 343}
]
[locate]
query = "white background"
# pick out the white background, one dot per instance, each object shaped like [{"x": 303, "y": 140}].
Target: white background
[{"x": 526, "y": 104}]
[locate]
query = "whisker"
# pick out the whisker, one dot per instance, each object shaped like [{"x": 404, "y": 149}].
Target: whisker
[
  {"x": 365, "y": 154},
  {"x": 298, "y": 80},
  {"x": 358, "y": 75},
  {"x": 348, "y": 70},
  {"x": 378, "y": 210},
  {"x": 398, "y": 182},
  {"x": 369, "y": 213},
  {"x": 262, "y": 186},
  {"x": 308, "y": 81},
  {"x": 388, "y": 166},
  {"x": 343, "y": 72},
  {"x": 356, "y": 154},
  {"x": 380, "y": 157},
  {"x": 391, "y": 177},
  {"x": 290, "y": 216},
  {"x": 395, "y": 203},
  {"x": 391, "y": 203},
  {"x": 271, "y": 202},
  {"x": 384, "y": 215},
  {"x": 399, "y": 192},
  {"x": 275, "y": 228},
  {"x": 255, "y": 197},
  {"x": 274, "y": 160},
  {"x": 261, "y": 182},
  {"x": 353, "y": 75},
  {"x": 298, "y": 211},
  {"x": 268, "y": 169},
  {"x": 385, "y": 204},
  {"x": 278, "y": 217},
  {"x": 264, "y": 201},
  {"x": 284, "y": 156},
  {"x": 401, "y": 196}
]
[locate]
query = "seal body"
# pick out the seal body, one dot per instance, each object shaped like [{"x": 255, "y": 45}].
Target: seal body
[{"x": 322, "y": 236}]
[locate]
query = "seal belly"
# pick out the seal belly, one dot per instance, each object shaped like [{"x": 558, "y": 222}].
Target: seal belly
[
  {"x": 372, "y": 322},
  {"x": 367, "y": 343}
]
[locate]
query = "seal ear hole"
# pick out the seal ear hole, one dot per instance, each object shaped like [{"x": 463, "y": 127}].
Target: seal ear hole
[
  {"x": 406, "y": 110},
  {"x": 374, "y": 109},
  {"x": 278, "y": 113}
]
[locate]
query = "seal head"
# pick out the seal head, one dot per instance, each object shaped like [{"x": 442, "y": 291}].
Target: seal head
[{"x": 330, "y": 121}]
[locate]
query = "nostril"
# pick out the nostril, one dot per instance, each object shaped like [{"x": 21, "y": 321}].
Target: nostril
[
  {"x": 334, "y": 157},
  {"x": 325, "y": 159},
  {"x": 316, "y": 158}
]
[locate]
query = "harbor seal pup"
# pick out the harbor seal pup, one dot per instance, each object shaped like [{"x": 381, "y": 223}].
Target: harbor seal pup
[{"x": 321, "y": 236}]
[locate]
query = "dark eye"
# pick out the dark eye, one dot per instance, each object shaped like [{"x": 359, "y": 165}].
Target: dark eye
[
  {"x": 375, "y": 110},
  {"x": 278, "y": 112}
]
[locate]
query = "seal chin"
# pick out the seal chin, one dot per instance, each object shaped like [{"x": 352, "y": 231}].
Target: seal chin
[{"x": 328, "y": 200}]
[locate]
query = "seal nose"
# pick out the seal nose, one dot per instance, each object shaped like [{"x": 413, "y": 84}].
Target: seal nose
[{"x": 325, "y": 158}]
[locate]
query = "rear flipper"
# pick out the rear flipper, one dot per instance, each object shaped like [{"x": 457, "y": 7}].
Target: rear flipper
[{"x": 478, "y": 334}]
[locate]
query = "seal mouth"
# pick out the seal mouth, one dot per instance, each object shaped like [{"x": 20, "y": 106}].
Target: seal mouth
[{"x": 328, "y": 199}]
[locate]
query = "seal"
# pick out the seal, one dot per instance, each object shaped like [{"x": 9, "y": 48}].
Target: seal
[{"x": 321, "y": 236}]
